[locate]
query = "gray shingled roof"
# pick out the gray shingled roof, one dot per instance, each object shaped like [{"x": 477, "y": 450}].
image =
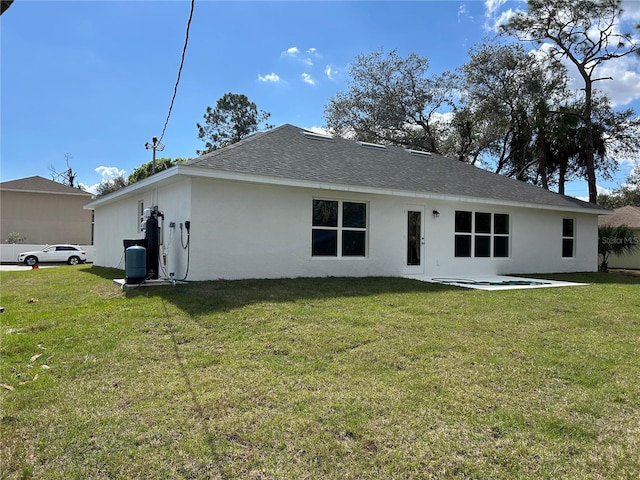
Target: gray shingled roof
[
  {"x": 287, "y": 152},
  {"x": 41, "y": 185},
  {"x": 629, "y": 216}
]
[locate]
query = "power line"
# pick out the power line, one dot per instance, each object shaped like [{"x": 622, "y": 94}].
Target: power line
[{"x": 175, "y": 89}]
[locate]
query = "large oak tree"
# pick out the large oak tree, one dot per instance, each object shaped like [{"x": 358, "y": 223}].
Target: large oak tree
[{"x": 390, "y": 100}]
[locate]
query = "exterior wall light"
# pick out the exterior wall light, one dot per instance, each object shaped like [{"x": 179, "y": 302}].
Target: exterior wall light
[{"x": 436, "y": 214}]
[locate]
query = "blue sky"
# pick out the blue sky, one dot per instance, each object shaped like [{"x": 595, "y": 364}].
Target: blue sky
[{"x": 94, "y": 79}]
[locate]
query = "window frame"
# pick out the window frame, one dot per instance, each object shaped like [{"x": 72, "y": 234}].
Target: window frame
[
  {"x": 499, "y": 235},
  {"x": 481, "y": 239},
  {"x": 571, "y": 237},
  {"x": 141, "y": 226},
  {"x": 463, "y": 234},
  {"x": 340, "y": 229}
]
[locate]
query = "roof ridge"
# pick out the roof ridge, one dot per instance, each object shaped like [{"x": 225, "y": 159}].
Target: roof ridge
[{"x": 36, "y": 183}]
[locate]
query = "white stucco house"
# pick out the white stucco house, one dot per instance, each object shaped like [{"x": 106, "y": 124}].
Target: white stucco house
[{"x": 291, "y": 203}]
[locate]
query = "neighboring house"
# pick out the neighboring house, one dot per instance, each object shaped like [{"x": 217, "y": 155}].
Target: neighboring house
[
  {"x": 44, "y": 212},
  {"x": 629, "y": 216},
  {"x": 291, "y": 203}
]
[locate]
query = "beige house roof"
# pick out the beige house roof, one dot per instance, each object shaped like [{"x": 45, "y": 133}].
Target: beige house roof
[
  {"x": 38, "y": 184},
  {"x": 629, "y": 216}
]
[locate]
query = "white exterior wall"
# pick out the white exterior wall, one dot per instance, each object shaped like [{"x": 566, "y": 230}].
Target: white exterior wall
[
  {"x": 112, "y": 224},
  {"x": 535, "y": 242},
  {"x": 174, "y": 201},
  {"x": 244, "y": 230},
  {"x": 120, "y": 220},
  {"x": 259, "y": 231}
]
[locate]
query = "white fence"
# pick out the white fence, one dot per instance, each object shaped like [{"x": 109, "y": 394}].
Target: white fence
[{"x": 9, "y": 251}]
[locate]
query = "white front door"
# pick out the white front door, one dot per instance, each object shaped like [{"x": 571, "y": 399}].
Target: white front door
[{"x": 414, "y": 240}]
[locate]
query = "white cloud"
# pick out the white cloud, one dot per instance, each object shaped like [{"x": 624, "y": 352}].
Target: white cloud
[
  {"x": 631, "y": 10},
  {"x": 294, "y": 52},
  {"x": 271, "y": 77},
  {"x": 312, "y": 52},
  {"x": 463, "y": 12},
  {"x": 625, "y": 72},
  {"x": 603, "y": 190},
  {"x": 330, "y": 72},
  {"x": 320, "y": 130},
  {"x": 492, "y": 5},
  {"x": 89, "y": 188},
  {"x": 290, "y": 52},
  {"x": 621, "y": 77},
  {"x": 493, "y": 21},
  {"x": 443, "y": 118},
  {"x": 493, "y": 17},
  {"x": 308, "y": 79},
  {"x": 107, "y": 174}
]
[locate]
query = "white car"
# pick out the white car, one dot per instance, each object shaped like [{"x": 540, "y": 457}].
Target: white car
[{"x": 71, "y": 254}]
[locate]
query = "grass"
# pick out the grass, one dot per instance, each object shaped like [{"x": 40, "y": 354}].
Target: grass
[{"x": 317, "y": 378}]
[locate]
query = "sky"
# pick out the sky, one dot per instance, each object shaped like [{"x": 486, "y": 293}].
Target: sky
[{"x": 90, "y": 82}]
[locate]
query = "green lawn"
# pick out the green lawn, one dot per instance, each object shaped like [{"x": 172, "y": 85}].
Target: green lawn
[{"x": 317, "y": 379}]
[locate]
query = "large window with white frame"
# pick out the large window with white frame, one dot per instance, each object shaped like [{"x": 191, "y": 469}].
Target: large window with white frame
[
  {"x": 339, "y": 229},
  {"x": 481, "y": 234}
]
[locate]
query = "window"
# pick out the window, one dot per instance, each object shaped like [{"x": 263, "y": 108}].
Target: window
[
  {"x": 463, "y": 229},
  {"x": 141, "y": 223},
  {"x": 481, "y": 234},
  {"x": 339, "y": 229},
  {"x": 568, "y": 237},
  {"x": 500, "y": 235}
]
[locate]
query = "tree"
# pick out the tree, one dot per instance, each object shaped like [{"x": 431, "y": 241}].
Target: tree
[
  {"x": 234, "y": 118},
  {"x": 584, "y": 32},
  {"x": 4, "y": 5},
  {"x": 144, "y": 170},
  {"x": 627, "y": 194},
  {"x": 68, "y": 177},
  {"x": 391, "y": 101},
  {"x": 617, "y": 241},
  {"x": 504, "y": 112},
  {"x": 15, "y": 237},
  {"x": 110, "y": 186}
]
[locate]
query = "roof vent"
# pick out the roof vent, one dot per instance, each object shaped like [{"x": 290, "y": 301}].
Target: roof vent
[
  {"x": 377, "y": 146},
  {"x": 418, "y": 152},
  {"x": 317, "y": 136}
]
